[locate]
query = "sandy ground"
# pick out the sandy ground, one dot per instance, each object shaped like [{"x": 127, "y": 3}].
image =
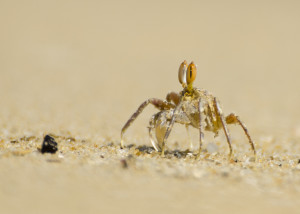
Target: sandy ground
[{"x": 79, "y": 70}]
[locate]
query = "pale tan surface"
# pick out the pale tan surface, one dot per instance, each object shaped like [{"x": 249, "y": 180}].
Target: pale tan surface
[{"x": 79, "y": 70}]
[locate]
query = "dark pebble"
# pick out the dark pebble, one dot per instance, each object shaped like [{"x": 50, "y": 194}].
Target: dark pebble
[{"x": 49, "y": 145}]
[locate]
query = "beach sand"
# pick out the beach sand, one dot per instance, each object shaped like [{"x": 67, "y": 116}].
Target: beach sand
[{"x": 77, "y": 71}]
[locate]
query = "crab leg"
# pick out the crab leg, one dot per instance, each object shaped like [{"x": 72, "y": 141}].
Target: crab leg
[
  {"x": 234, "y": 119},
  {"x": 169, "y": 128},
  {"x": 200, "y": 129},
  {"x": 189, "y": 136},
  {"x": 173, "y": 96},
  {"x": 221, "y": 116},
  {"x": 158, "y": 103}
]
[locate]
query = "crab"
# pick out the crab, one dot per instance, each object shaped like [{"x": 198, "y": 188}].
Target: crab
[{"x": 191, "y": 107}]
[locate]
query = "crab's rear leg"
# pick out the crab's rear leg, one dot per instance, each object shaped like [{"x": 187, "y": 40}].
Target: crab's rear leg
[
  {"x": 234, "y": 119},
  {"x": 158, "y": 103},
  {"x": 223, "y": 122}
]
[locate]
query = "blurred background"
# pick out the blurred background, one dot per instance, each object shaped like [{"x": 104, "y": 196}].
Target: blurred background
[
  {"x": 81, "y": 68},
  {"x": 85, "y": 66}
]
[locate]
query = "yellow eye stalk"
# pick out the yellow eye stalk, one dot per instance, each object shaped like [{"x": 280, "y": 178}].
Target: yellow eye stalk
[
  {"x": 191, "y": 76},
  {"x": 182, "y": 73},
  {"x": 187, "y": 75}
]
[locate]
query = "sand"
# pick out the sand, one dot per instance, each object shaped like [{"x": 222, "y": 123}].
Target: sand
[{"x": 77, "y": 71}]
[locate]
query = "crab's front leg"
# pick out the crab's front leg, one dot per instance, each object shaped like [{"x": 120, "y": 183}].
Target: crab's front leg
[
  {"x": 158, "y": 103},
  {"x": 169, "y": 128},
  {"x": 187, "y": 127},
  {"x": 175, "y": 98}
]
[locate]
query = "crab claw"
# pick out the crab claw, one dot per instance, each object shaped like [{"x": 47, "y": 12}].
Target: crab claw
[{"x": 157, "y": 130}]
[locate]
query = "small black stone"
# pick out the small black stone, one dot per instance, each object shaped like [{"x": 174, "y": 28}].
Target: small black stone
[{"x": 49, "y": 145}]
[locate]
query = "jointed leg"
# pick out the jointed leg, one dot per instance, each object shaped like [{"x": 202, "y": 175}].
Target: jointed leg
[
  {"x": 169, "y": 128},
  {"x": 189, "y": 136},
  {"x": 160, "y": 104},
  {"x": 221, "y": 116},
  {"x": 173, "y": 96},
  {"x": 234, "y": 119},
  {"x": 200, "y": 129}
]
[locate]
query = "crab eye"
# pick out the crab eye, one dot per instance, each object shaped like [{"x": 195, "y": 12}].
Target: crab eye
[
  {"x": 182, "y": 72},
  {"x": 191, "y": 73}
]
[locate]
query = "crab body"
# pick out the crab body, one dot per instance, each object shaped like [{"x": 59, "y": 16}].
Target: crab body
[
  {"x": 191, "y": 107},
  {"x": 187, "y": 115}
]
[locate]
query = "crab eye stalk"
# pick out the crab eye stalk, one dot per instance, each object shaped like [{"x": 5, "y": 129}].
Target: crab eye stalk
[
  {"x": 191, "y": 74},
  {"x": 182, "y": 73}
]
